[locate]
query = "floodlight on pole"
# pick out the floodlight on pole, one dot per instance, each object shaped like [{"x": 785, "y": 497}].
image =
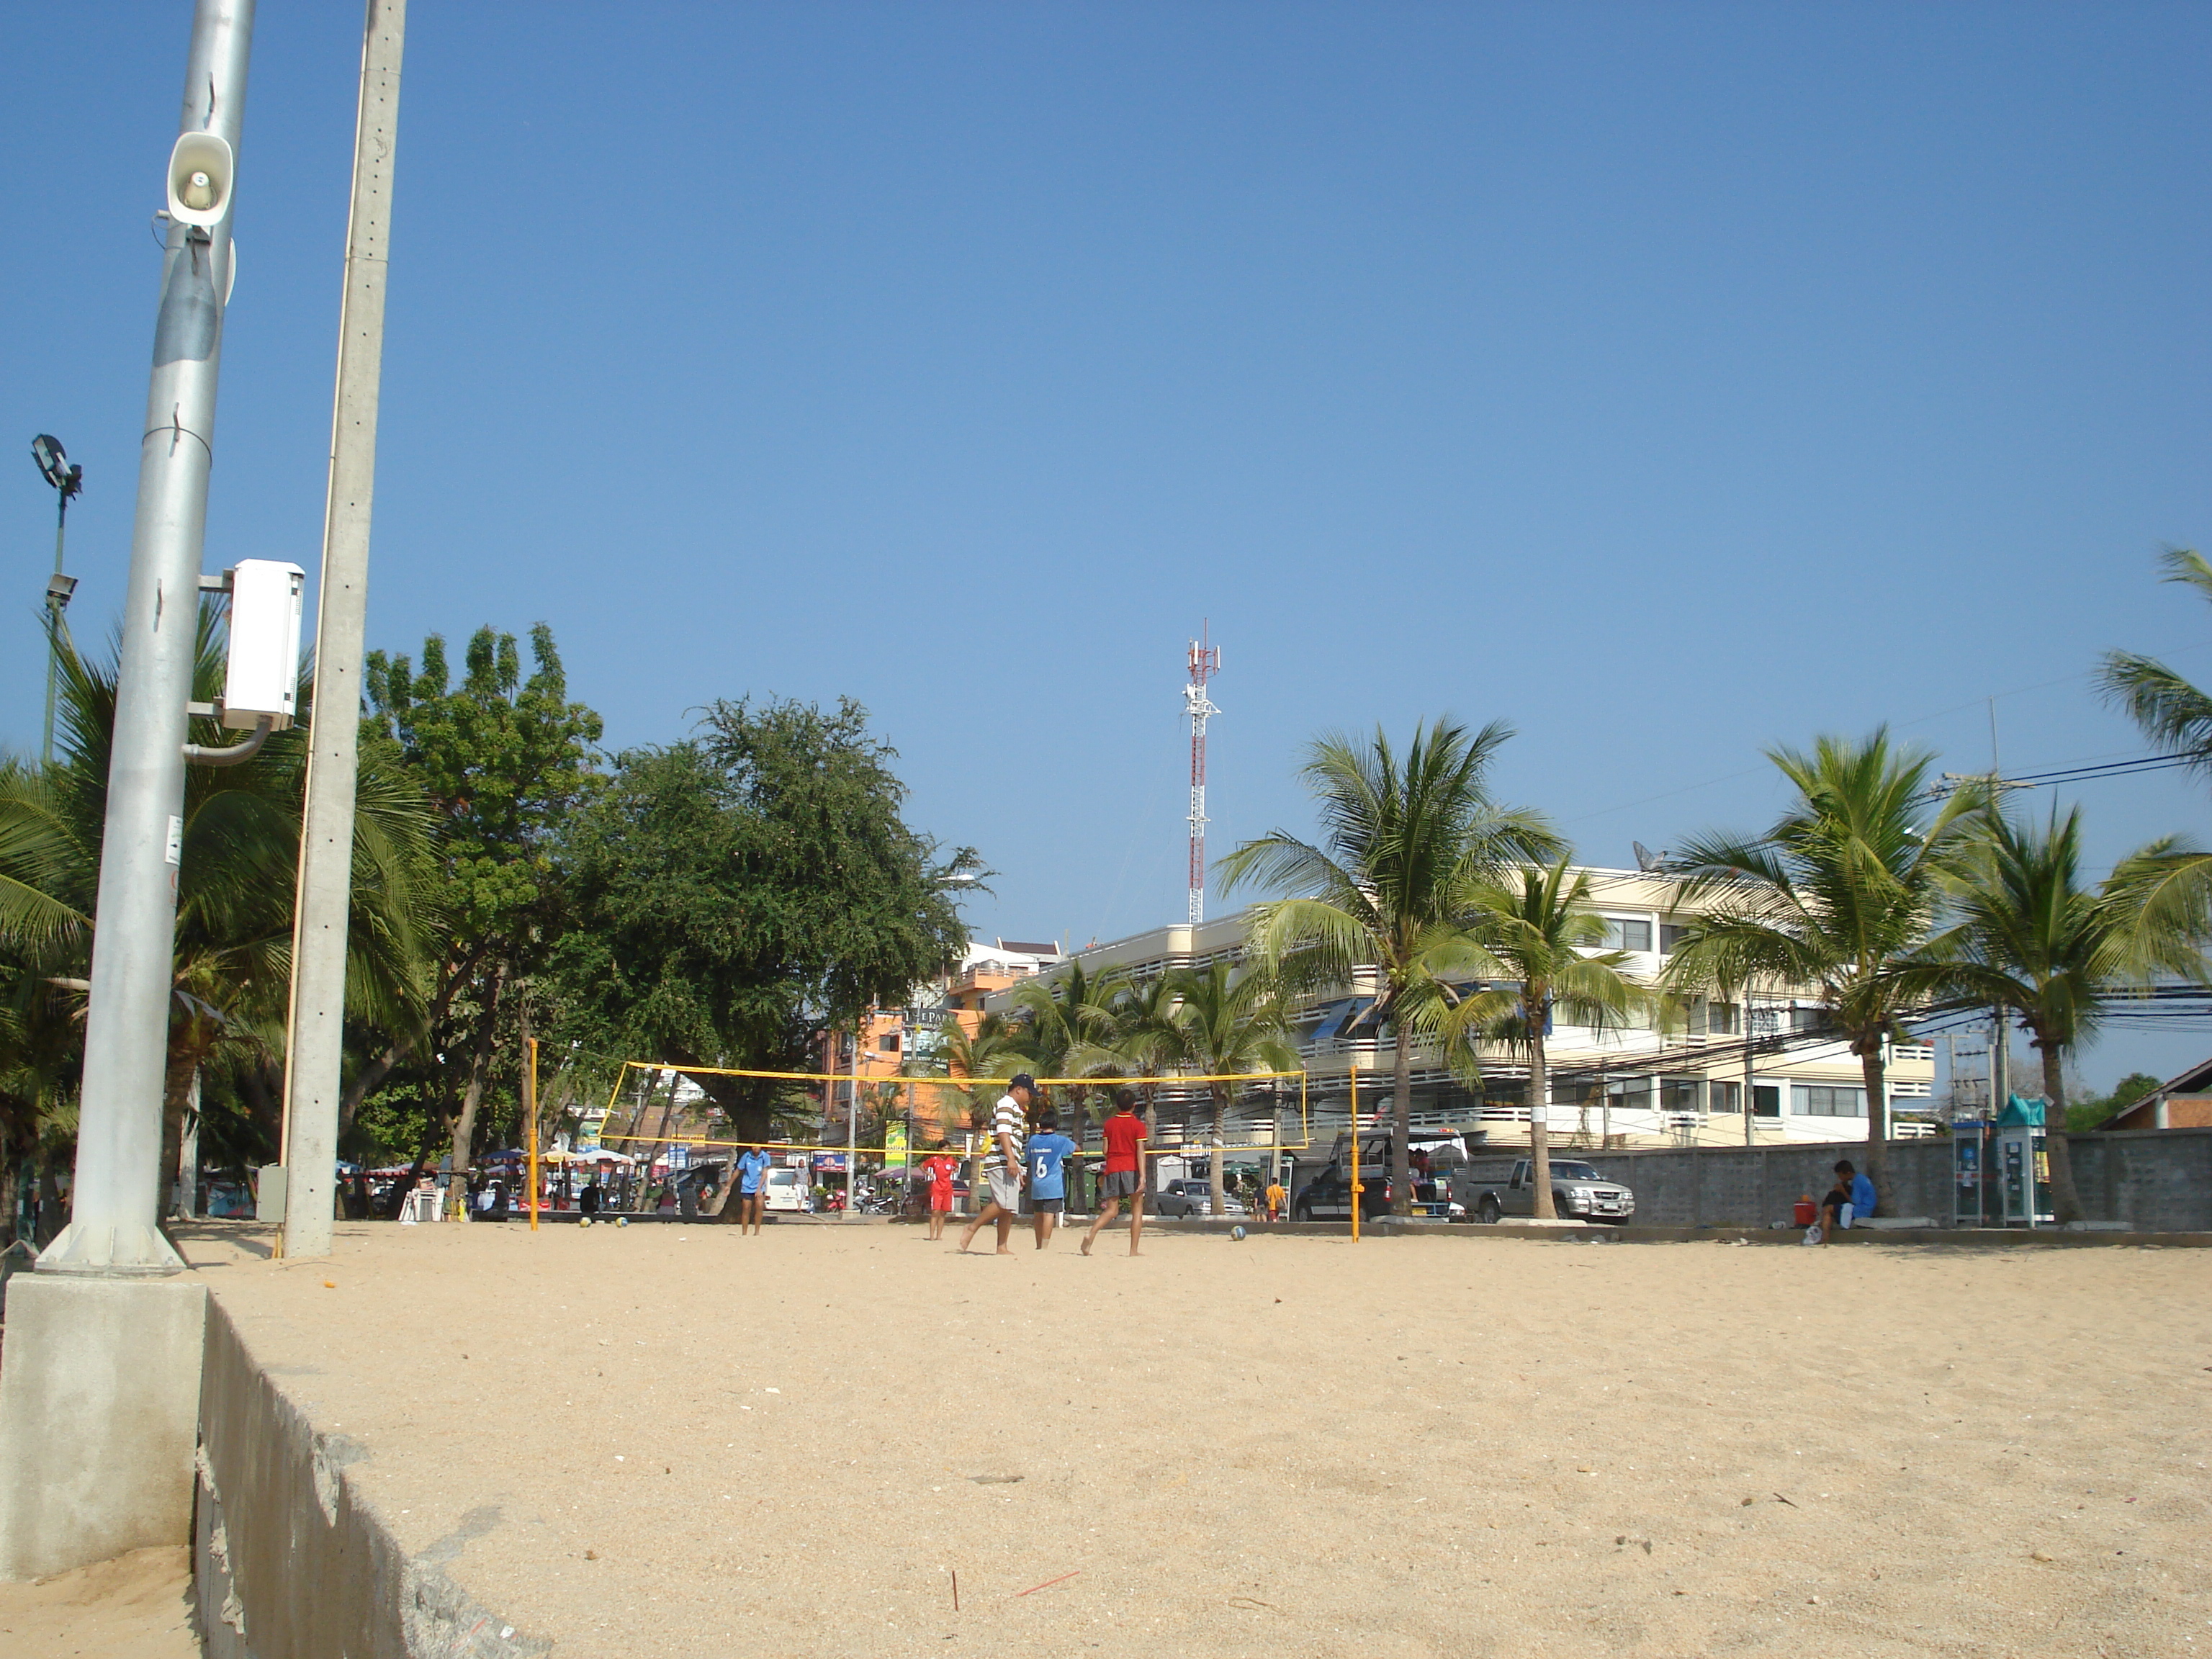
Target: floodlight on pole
[
  {"x": 68, "y": 480},
  {"x": 119, "y": 1186}
]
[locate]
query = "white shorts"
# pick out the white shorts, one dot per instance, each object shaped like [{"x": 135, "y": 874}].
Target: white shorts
[{"x": 1005, "y": 1190}]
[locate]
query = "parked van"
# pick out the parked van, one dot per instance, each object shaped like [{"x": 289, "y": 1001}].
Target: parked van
[{"x": 1495, "y": 1187}]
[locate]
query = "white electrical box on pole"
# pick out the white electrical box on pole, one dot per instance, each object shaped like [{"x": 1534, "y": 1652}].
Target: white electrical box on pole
[{"x": 314, "y": 1029}]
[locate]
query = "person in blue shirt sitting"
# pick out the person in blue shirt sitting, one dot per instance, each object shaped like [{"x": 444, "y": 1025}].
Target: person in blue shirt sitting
[
  {"x": 1849, "y": 1201},
  {"x": 1862, "y": 1199},
  {"x": 1047, "y": 1156}
]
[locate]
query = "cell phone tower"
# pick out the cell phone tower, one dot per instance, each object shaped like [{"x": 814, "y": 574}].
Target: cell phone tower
[{"x": 1205, "y": 662}]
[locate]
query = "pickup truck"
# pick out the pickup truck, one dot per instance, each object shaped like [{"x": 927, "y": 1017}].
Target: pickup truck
[
  {"x": 1491, "y": 1191},
  {"x": 1327, "y": 1197}
]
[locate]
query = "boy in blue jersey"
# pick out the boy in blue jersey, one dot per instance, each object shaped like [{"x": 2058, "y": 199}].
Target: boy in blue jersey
[
  {"x": 1047, "y": 1156},
  {"x": 752, "y": 1189}
]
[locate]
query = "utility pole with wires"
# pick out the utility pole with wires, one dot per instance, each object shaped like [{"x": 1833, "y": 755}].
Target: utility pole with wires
[
  {"x": 315, "y": 1022},
  {"x": 1204, "y": 662}
]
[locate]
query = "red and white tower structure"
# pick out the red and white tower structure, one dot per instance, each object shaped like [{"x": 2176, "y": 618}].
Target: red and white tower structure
[{"x": 1205, "y": 661}]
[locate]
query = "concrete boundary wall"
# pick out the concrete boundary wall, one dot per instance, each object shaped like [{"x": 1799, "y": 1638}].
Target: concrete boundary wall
[
  {"x": 289, "y": 1561},
  {"x": 2155, "y": 1180}
]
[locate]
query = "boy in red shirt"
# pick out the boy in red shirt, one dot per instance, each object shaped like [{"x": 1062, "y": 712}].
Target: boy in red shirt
[
  {"x": 940, "y": 1170},
  {"x": 1123, "y": 1175}
]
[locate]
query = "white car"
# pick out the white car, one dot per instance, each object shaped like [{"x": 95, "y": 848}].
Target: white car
[
  {"x": 1194, "y": 1198},
  {"x": 787, "y": 1190}
]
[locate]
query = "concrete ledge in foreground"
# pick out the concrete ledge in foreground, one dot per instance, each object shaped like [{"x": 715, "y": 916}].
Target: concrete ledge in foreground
[{"x": 287, "y": 1559}]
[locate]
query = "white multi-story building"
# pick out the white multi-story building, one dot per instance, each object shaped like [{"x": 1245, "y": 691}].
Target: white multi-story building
[{"x": 1775, "y": 1052}]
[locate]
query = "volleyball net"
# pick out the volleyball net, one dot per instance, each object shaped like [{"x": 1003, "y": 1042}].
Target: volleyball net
[{"x": 899, "y": 1117}]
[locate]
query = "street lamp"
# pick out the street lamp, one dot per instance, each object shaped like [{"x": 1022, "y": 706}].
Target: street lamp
[{"x": 69, "y": 481}]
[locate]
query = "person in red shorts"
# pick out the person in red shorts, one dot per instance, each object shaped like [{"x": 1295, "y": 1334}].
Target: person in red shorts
[
  {"x": 940, "y": 1168},
  {"x": 1124, "y": 1174}
]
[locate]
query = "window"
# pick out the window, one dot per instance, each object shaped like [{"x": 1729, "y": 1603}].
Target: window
[
  {"x": 1621, "y": 935},
  {"x": 1678, "y": 1094},
  {"x": 1723, "y": 1019},
  {"x": 1766, "y": 1100},
  {"x": 1820, "y": 1100},
  {"x": 1670, "y": 935},
  {"x": 1724, "y": 1096},
  {"x": 1630, "y": 1094},
  {"x": 1811, "y": 1019},
  {"x": 889, "y": 1042}
]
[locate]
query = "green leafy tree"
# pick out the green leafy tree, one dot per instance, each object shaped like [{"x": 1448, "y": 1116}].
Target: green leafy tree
[
  {"x": 1402, "y": 839},
  {"x": 503, "y": 760},
  {"x": 2027, "y": 934},
  {"x": 736, "y": 894},
  {"x": 2099, "y": 1109},
  {"x": 1841, "y": 892},
  {"x": 1541, "y": 927},
  {"x": 1230, "y": 1024}
]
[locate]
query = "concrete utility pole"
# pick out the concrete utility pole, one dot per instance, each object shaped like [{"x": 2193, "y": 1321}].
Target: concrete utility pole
[
  {"x": 115, "y": 1201},
  {"x": 314, "y": 1029}
]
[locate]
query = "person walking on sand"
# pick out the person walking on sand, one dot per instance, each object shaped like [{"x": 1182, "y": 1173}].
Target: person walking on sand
[
  {"x": 1003, "y": 1170},
  {"x": 1276, "y": 1199},
  {"x": 1047, "y": 1156},
  {"x": 752, "y": 1189},
  {"x": 939, "y": 1168},
  {"x": 1123, "y": 1174}
]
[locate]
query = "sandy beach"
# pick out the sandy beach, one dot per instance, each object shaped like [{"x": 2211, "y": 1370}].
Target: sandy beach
[
  {"x": 135, "y": 1607},
  {"x": 674, "y": 1440}
]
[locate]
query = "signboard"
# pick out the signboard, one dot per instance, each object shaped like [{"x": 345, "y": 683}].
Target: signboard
[{"x": 894, "y": 1145}]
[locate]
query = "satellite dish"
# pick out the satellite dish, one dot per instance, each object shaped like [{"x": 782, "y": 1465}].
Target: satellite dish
[{"x": 1646, "y": 860}]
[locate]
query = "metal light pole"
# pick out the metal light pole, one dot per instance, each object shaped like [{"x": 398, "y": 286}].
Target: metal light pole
[
  {"x": 68, "y": 482},
  {"x": 118, "y": 1144},
  {"x": 314, "y": 1027}
]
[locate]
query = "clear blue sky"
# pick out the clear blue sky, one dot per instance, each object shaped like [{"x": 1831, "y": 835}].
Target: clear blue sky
[{"x": 1669, "y": 381}]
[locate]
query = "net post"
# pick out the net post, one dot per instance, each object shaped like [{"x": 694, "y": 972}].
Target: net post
[
  {"x": 530, "y": 1093},
  {"x": 1356, "y": 1187}
]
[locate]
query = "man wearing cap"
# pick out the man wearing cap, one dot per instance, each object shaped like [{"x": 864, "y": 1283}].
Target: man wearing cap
[{"x": 1002, "y": 1170}]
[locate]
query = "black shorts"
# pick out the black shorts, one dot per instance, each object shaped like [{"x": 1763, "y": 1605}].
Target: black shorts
[{"x": 1047, "y": 1206}]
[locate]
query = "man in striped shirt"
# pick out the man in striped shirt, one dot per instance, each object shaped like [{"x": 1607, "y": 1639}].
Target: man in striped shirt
[{"x": 1002, "y": 1168}]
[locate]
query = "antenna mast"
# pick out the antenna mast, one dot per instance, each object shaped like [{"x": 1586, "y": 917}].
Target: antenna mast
[{"x": 1205, "y": 662}]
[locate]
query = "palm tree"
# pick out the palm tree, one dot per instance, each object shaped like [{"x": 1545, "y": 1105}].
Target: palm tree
[
  {"x": 1541, "y": 926},
  {"x": 2172, "y": 712},
  {"x": 1064, "y": 1026},
  {"x": 233, "y": 928},
  {"x": 989, "y": 1051},
  {"x": 2178, "y": 717},
  {"x": 1231, "y": 1023},
  {"x": 1842, "y": 890},
  {"x": 2027, "y": 935},
  {"x": 1402, "y": 840}
]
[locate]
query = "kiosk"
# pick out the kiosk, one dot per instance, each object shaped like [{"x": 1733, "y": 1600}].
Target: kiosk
[
  {"x": 2023, "y": 1166},
  {"x": 1970, "y": 1164}
]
